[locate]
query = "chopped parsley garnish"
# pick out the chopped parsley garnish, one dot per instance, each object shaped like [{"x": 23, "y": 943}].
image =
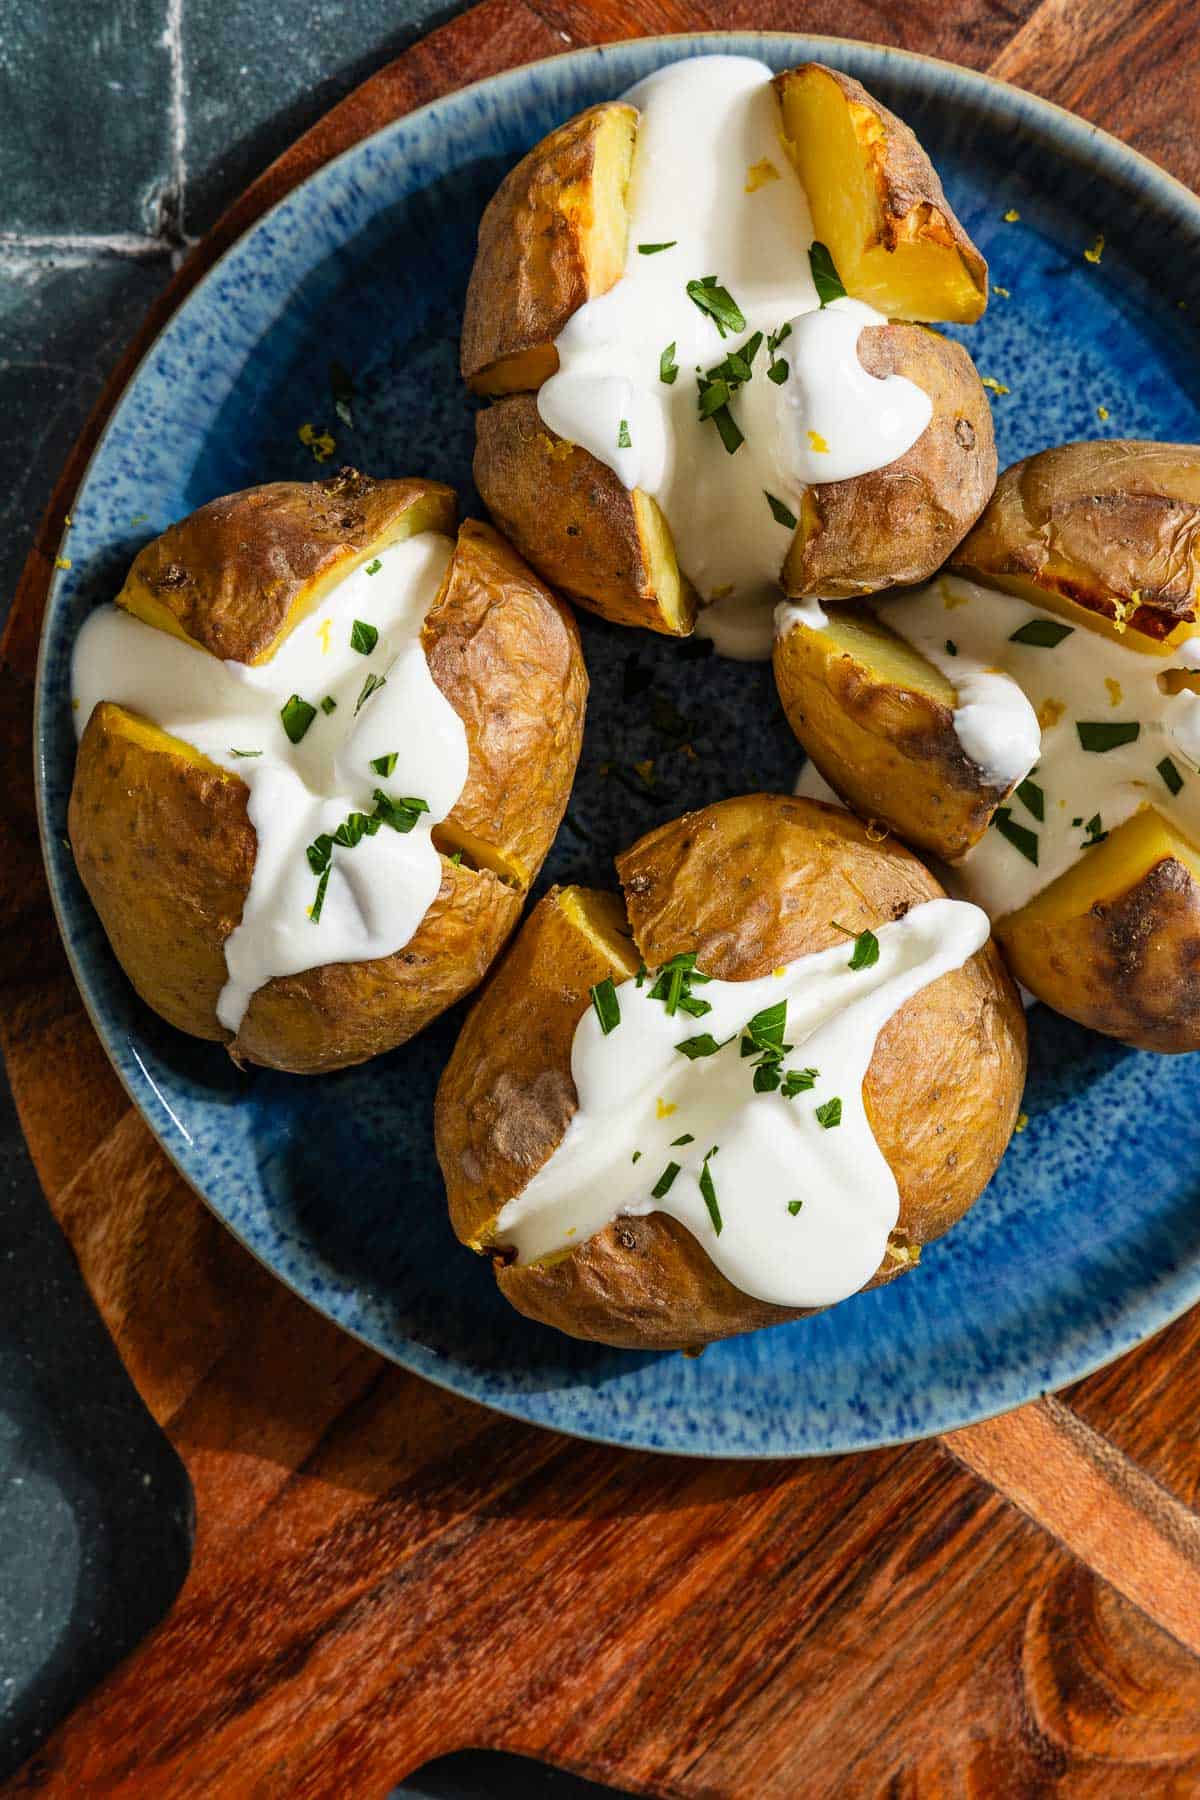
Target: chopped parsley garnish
[
  {"x": 687, "y": 1138},
  {"x": 370, "y": 686},
  {"x": 799, "y": 1081},
  {"x": 328, "y": 704},
  {"x": 1019, "y": 836},
  {"x": 319, "y": 852},
  {"x": 826, "y": 280},
  {"x": 624, "y": 441},
  {"x": 297, "y": 716},
  {"x": 314, "y": 911},
  {"x": 1170, "y": 774},
  {"x": 951, "y": 647},
  {"x": 717, "y": 410},
  {"x": 352, "y": 830},
  {"x": 783, "y": 515},
  {"x": 1100, "y": 735},
  {"x": 1096, "y": 833},
  {"x": 383, "y": 765},
  {"x": 374, "y": 567},
  {"x": 668, "y": 368},
  {"x": 636, "y": 1157},
  {"x": 663, "y": 1184},
  {"x": 363, "y": 637},
  {"x": 830, "y": 1114},
  {"x": 778, "y": 368},
  {"x": 608, "y": 1007},
  {"x": 794, "y": 1206},
  {"x": 704, "y": 1045},
  {"x": 673, "y": 986},
  {"x": 1044, "y": 634},
  {"x": 401, "y": 815},
  {"x": 718, "y": 303},
  {"x": 709, "y": 1193},
  {"x": 259, "y": 753},
  {"x": 1031, "y": 796},
  {"x": 653, "y": 249},
  {"x": 866, "y": 951}
]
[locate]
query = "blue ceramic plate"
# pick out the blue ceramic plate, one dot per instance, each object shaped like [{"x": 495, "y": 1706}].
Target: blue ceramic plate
[{"x": 1089, "y": 1237}]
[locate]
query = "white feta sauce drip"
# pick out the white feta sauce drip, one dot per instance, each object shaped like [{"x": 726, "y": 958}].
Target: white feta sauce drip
[
  {"x": 639, "y": 1093},
  {"x": 712, "y": 180},
  {"x": 1084, "y": 678},
  {"x": 379, "y": 891}
]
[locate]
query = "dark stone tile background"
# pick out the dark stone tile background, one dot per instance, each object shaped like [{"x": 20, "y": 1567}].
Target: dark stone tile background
[{"x": 126, "y": 127}]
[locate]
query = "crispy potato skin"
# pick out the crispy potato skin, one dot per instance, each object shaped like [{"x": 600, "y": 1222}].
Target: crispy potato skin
[
  {"x": 571, "y": 516},
  {"x": 889, "y": 749},
  {"x": 162, "y": 837},
  {"x": 909, "y": 205},
  {"x": 537, "y": 261},
  {"x": 505, "y": 652},
  {"x": 749, "y": 883},
  {"x": 896, "y": 525},
  {"x": 1128, "y": 965},
  {"x": 1111, "y": 526},
  {"x": 236, "y": 574}
]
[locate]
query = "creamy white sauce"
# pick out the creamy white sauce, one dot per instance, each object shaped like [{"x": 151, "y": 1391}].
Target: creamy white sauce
[
  {"x": 709, "y": 130},
  {"x": 378, "y": 891},
  {"x": 639, "y": 1093},
  {"x": 1086, "y": 677}
]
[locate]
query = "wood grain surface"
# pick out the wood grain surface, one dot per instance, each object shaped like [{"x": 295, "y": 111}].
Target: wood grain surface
[{"x": 383, "y": 1572}]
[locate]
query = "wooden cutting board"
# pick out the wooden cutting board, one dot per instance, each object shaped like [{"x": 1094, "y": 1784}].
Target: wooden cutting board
[{"x": 383, "y": 1572}]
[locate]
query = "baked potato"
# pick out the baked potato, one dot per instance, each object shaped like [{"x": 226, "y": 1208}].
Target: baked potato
[
  {"x": 1091, "y": 865},
  {"x": 746, "y": 886},
  {"x": 557, "y": 236},
  {"x": 162, "y": 832}
]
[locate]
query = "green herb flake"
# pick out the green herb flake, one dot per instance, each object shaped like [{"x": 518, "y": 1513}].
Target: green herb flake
[
  {"x": 245, "y": 753},
  {"x": 319, "y": 853},
  {"x": 624, "y": 441},
  {"x": 794, "y": 1206},
  {"x": 1100, "y": 735},
  {"x": 314, "y": 911},
  {"x": 401, "y": 815},
  {"x": 826, "y": 280},
  {"x": 328, "y": 704},
  {"x": 363, "y": 637},
  {"x": 297, "y": 716},
  {"x": 1032, "y": 798},
  {"x": 1019, "y": 836},
  {"x": 636, "y": 1157},
  {"x": 663, "y": 1185},
  {"x": 782, "y": 515},
  {"x": 866, "y": 951},
  {"x": 799, "y": 1081},
  {"x": 370, "y": 686},
  {"x": 654, "y": 249},
  {"x": 608, "y": 1007},
  {"x": 718, "y": 303},
  {"x": 830, "y": 1114},
  {"x": 668, "y": 368},
  {"x": 1170, "y": 774},
  {"x": 383, "y": 765},
  {"x": 374, "y": 567},
  {"x": 704, "y": 1045},
  {"x": 767, "y": 1077},
  {"x": 709, "y": 1193},
  {"x": 687, "y": 1138},
  {"x": 1096, "y": 833},
  {"x": 1043, "y": 634},
  {"x": 951, "y": 647}
]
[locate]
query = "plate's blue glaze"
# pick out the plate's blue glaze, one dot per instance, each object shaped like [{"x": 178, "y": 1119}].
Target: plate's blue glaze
[{"x": 1089, "y": 1238}]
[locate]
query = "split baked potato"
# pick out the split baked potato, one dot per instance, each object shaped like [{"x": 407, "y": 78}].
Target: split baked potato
[
  {"x": 161, "y": 834},
  {"x": 747, "y": 884},
  {"x": 554, "y": 236},
  {"x": 1106, "y": 536}
]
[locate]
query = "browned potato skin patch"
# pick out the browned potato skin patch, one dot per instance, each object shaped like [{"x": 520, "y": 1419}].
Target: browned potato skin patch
[
  {"x": 1097, "y": 523},
  {"x": 749, "y": 883},
  {"x": 1129, "y": 966},
  {"x": 898, "y": 524},
  {"x": 162, "y": 838},
  {"x": 531, "y": 270},
  {"x": 230, "y": 574},
  {"x": 891, "y": 751},
  {"x": 572, "y": 517}
]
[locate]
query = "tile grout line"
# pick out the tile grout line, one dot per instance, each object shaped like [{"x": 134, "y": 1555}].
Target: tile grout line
[
  {"x": 171, "y": 222},
  {"x": 34, "y": 244}
]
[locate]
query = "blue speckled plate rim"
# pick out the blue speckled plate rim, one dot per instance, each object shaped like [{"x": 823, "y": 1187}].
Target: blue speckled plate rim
[{"x": 1090, "y": 146}]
